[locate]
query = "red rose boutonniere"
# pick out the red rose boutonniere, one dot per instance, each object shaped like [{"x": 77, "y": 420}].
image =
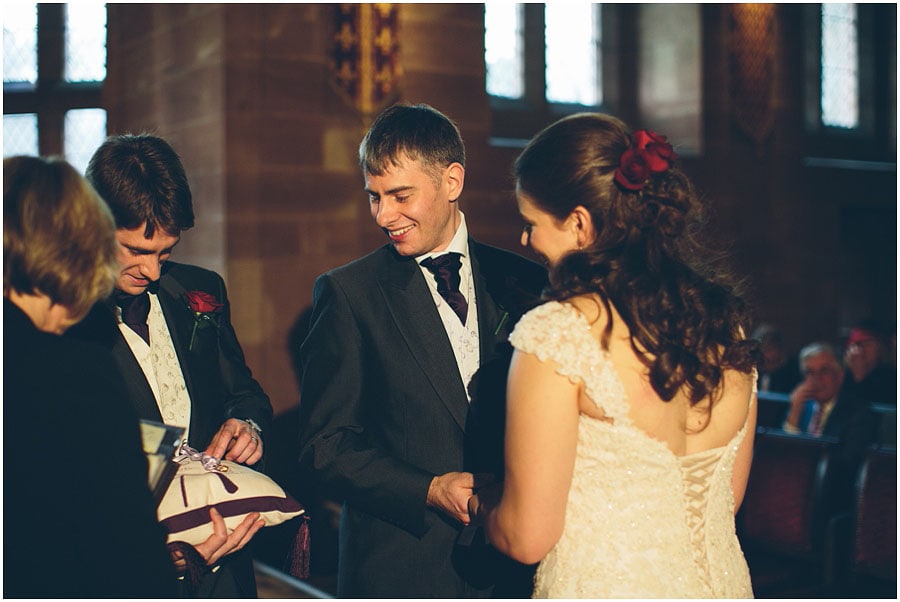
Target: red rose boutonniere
[
  {"x": 205, "y": 308},
  {"x": 650, "y": 153}
]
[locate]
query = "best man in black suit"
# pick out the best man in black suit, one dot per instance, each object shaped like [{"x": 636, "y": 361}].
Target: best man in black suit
[
  {"x": 180, "y": 357},
  {"x": 395, "y": 340}
]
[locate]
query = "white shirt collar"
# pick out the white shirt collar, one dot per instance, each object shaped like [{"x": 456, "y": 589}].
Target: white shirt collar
[{"x": 458, "y": 244}]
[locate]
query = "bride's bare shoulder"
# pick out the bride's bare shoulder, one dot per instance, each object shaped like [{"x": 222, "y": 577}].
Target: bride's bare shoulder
[
  {"x": 591, "y": 307},
  {"x": 730, "y": 409}
]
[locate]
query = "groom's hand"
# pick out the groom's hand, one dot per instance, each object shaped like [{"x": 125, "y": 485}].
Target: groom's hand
[
  {"x": 450, "y": 493},
  {"x": 483, "y": 502},
  {"x": 237, "y": 441}
]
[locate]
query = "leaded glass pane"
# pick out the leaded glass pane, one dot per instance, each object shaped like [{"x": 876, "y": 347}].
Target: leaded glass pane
[
  {"x": 85, "y": 130},
  {"x": 20, "y": 134},
  {"x": 572, "y": 36},
  {"x": 503, "y": 49},
  {"x": 85, "y": 42},
  {"x": 840, "y": 66},
  {"x": 20, "y": 42}
]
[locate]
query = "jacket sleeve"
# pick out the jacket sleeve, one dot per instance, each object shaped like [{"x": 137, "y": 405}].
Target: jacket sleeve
[{"x": 336, "y": 445}]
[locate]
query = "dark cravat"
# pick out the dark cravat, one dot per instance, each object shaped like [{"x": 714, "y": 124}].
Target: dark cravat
[
  {"x": 446, "y": 272},
  {"x": 135, "y": 309}
]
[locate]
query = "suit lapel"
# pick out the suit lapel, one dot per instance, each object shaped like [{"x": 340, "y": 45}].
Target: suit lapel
[
  {"x": 419, "y": 323},
  {"x": 139, "y": 390},
  {"x": 492, "y": 324}
]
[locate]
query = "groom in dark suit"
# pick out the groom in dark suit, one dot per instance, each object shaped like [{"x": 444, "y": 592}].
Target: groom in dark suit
[
  {"x": 398, "y": 346},
  {"x": 169, "y": 328}
]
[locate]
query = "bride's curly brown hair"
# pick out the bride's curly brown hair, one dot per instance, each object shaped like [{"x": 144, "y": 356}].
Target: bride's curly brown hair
[{"x": 683, "y": 310}]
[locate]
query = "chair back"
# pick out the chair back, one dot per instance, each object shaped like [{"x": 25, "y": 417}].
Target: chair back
[
  {"x": 784, "y": 509},
  {"x": 772, "y": 408},
  {"x": 886, "y": 424},
  {"x": 875, "y": 536}
]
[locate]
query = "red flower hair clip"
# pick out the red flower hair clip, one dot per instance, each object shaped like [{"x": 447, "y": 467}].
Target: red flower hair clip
[{"x": 650, "y": 153}]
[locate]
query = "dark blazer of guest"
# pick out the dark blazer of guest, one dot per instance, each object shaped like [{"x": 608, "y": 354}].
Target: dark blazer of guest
[
  {"x": 879, "y": 386},
  {"x": 784, "y": 378},
  {"x": 851, "y": 421},
  {"x": 384, "y": 410},
  {"x": 78, "y": 517},
  {"x": 219, "y": 383},
  {"x": 853, "y": 424}
]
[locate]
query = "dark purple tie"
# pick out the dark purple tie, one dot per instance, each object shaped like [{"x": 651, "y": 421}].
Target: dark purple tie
[
  {"x": 446, "y": 272},
  {"x": 135, "y": 309}
]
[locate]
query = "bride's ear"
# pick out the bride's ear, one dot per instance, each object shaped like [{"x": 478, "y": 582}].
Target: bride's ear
[{"x": 582, "y": 225}]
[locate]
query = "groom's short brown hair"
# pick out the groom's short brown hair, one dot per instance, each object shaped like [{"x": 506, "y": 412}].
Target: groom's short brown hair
[{"x": 419, "y": 132}]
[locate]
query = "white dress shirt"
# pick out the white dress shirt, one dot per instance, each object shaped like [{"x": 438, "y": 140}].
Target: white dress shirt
[{"x": 160, "y": 364}]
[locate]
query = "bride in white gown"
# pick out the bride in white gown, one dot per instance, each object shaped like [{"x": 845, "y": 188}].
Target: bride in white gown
[{"x": 631, "y": 400}]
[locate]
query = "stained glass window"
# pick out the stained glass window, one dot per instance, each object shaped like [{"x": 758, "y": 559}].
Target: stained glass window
[
  {"x": 86, "y": 42},
  {"x": 542, "y": 60},
  {"x": 20, "y": 134},
  {"x": 20, "y": 42},
  {"x": 38, "y": 86},
  {"x": 85, "y": 130},
  {"x": 840, "y": 66},
  {"x": 572, "y": 37},
  {"x": 503, "y": 53}
]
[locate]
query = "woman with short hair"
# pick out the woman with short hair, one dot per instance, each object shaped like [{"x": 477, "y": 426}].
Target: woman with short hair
[{"x": 78, "y": 516}]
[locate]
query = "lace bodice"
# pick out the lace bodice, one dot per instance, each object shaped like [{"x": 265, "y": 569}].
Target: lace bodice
[{"x": 640, "y": 521}]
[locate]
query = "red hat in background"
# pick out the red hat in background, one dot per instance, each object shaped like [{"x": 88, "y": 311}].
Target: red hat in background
[{"x": 858, "y": 335}]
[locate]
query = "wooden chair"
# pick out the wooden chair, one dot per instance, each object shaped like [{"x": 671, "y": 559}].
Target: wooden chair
[
  {"x": 772, "y": 409},
  {"x": 886, "y": 424},
  {"x": 783, "y": 518},
  {"x": 873, "y": 563}
]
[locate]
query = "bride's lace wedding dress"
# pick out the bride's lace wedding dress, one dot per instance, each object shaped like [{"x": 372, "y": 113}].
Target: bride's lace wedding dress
[{"x": 640, "y": 521}]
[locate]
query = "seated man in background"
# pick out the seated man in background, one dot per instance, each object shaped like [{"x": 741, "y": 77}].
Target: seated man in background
[
  {"x": 822, "y": 405},
  {"x": 778, "y": 371},
  {"x": 870, "y": 376}
]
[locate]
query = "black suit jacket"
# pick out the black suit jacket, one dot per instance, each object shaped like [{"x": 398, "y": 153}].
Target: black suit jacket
[
  {"x": 218, "y": 380},
  {"x": 853, "y": 423},
  {"x": 219, "y": 383},
  {"x": 383, "y": 410},
  {"x": 78, "y": 517}
]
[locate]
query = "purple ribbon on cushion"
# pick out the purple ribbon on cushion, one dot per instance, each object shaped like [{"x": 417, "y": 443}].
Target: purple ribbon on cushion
[{"x": 210, "y": 463}]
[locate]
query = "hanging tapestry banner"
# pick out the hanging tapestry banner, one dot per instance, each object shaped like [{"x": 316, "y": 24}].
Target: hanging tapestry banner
[{"x": 366, "y": 60}]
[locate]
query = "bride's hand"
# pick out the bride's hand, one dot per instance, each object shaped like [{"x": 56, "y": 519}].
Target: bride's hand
[{"x": 481, "y": 504}]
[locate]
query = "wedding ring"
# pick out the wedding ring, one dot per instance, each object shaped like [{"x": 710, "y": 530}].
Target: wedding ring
[{"x": 253, "y": 438}]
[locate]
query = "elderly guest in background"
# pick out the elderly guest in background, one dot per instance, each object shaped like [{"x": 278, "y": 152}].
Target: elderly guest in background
[
  {"x": 825, "y": 404},
  {"x": 814, "y": 399},
  {"x": 78, "y": 517}
]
